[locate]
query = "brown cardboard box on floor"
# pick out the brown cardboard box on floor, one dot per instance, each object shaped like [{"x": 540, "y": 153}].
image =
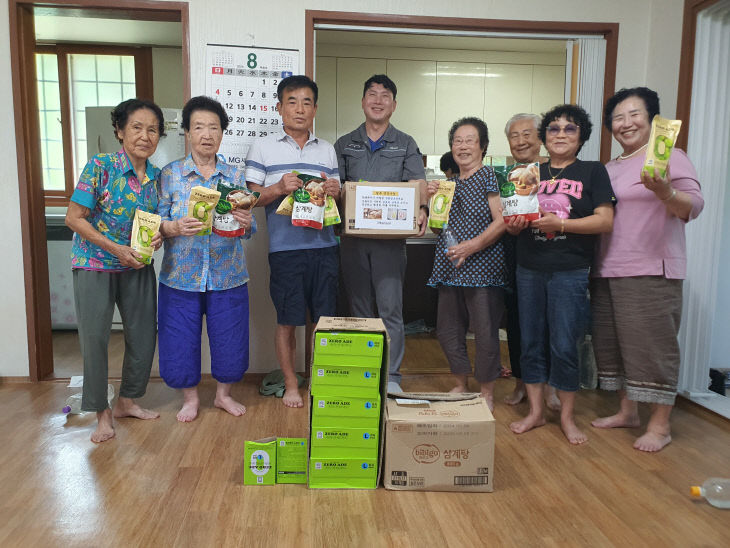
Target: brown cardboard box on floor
[
  {"x": 381, "y": 210},
  {"x": 433, "y": 445}
]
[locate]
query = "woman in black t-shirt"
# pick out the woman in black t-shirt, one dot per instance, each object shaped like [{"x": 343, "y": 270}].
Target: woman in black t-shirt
[{"x": 554, "y": 255}]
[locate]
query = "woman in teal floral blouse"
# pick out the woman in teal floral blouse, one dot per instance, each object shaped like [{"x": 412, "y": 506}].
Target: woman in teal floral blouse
[{"x": 106, "y": 271}]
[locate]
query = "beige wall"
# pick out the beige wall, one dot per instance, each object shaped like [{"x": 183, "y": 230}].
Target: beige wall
[
  {"x": 168, "y": 77},
  {"x": 281, "y": 24}
]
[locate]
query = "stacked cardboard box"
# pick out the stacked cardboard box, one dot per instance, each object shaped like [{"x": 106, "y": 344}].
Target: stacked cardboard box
[{"x": 346, "y": 409}]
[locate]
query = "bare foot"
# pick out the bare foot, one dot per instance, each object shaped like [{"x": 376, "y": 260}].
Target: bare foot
[
  {"x": 517, "y": 395},
  {"x": 458, "y": 390},
  {"x": 528, "y": 423},
  {"x": 191, "y": 404},
  {"x": 125, "y": 407},
  {"x": 652, "y": 442},
  {"x": 619, "y": 420},
  {"x": 227, "y": 403},
  {"x": 487, "y": 392},
  {"x": 490, "y": 400},
  {"x": 574, "y": 434},
  {"x": 292, "y": 398},
  {"x": 551, "y": 399},
  {"x": 104, "y": 427}
]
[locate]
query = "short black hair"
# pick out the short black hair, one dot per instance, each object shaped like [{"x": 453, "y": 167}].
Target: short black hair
[
  {"x": 447, "y": 163},
  {"x": 572, "y": 113},
  {"x": 383, "y": 80},
  {"x": 298, "y": 81},
  {"x": 201, "y": 102},
  {"x": 649, "y": 96},
  {"x": 122, "y": 112},
  {"x": 482, "y": 130}
]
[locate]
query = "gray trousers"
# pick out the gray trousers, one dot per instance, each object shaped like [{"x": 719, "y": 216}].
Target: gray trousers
[
  {"x": 482, "y": 308},
  {"x": 373, "y": 272},
  {"x": 135, "y": 293}
]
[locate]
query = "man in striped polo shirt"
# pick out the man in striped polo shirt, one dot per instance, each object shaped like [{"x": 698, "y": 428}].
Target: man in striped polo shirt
[{"x": 303, "y": 261}]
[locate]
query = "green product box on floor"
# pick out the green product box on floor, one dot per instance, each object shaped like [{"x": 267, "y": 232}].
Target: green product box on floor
[
  {"x": 291, "y": 460},
  {"x": 347, "y": 411},
  {"x": 348, "y": 348},
  {"x": 343, "y": 473},
  {"x": 350, "y": 380},
  {"x": 345, "y": 442},
  {"x": 259, "y": 462}
]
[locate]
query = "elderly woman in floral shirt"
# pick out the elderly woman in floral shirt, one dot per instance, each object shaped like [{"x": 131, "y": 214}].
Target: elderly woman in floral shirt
[
  {"x": 106, "y": 271},
  {"x": 202, "y": 275}
]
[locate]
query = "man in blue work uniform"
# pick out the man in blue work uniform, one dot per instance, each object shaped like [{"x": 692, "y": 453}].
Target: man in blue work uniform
[{"x": 374, "y": 269}]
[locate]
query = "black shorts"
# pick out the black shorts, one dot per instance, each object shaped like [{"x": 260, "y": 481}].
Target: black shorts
[{"x": 304, "y": 279}]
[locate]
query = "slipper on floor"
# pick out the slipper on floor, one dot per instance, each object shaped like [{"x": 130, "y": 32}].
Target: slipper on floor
[{"x": 273, "y": 384}]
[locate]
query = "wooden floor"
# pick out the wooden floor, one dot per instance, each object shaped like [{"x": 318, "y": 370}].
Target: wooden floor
[{"x": 161, "y": 483}]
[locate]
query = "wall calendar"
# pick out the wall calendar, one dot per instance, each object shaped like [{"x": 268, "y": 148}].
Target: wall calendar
[{"x": 244, "y": 80}]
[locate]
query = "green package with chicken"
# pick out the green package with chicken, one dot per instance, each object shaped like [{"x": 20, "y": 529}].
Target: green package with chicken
[{"x": 316, "y": 210}]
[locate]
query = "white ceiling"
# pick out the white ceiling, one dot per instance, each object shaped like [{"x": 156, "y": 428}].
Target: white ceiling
[
  {"x": 359, "y": 38},
  {"x": 55, "y": 29}
]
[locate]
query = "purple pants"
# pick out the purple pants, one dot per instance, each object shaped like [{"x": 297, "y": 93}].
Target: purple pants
[{"x": 180, "y": 324}]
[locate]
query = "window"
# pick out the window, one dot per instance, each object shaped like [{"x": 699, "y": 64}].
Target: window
[{"x": 71, "y": 78}]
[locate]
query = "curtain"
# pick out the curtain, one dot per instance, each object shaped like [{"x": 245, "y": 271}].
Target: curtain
[
  {"x": 709, "y": 150},
  {"x": 591, "y": 67}
]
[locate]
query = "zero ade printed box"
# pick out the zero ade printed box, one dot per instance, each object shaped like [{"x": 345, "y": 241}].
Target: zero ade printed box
[
  {"x": 347, "y": 363},
  {"x": 347, "y": 431},
  {"x": 381, "y": 210},
  {"x": 439, "y": 445}
]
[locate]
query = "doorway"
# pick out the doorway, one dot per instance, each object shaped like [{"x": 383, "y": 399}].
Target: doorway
[{"x": 496, "y": 68}]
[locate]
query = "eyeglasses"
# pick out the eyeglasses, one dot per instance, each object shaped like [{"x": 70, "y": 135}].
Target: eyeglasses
[
  {"x": 554, "y": 129},
  {"x": 469, "y": 141}
]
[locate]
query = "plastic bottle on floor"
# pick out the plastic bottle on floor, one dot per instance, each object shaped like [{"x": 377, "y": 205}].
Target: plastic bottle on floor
[
  {"x": 73, "y": 402},
  {"x": 715, "y": 490},
  {"x": 587, "y": 364}
]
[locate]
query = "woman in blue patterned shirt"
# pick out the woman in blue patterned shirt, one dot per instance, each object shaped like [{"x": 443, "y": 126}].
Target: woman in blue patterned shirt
[
  {"x": 202, "y": 275},
  {"x": 105, "y": 268},
  {"x": 471, "y": 275}
]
